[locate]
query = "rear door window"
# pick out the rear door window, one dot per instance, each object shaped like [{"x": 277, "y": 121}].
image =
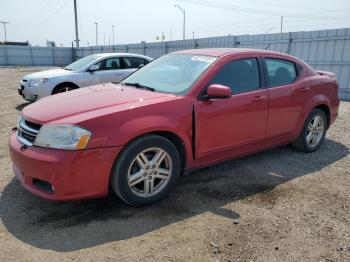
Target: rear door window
[
  {"x": 134, "y": 62},
  {"x": 240, "y": 75},
  {"x": 280, "y": 72}
]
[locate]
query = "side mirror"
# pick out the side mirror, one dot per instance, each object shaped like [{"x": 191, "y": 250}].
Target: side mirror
[
  {"x": 94, "y": 68},
  {"x": 218, "y": 91}
]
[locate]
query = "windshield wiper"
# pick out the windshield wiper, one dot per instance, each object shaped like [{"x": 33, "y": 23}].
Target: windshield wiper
[
  {"x": 138, "y": 85},
  {"x": 65, "y": 68}
]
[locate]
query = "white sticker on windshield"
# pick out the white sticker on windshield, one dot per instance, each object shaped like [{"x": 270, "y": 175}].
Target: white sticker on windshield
[{"x": 207, "y": 59}]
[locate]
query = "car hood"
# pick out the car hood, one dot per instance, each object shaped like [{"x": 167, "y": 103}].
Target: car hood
[
  {"x": 48, "y": 73},
  {"x": 89, "y": 102}
]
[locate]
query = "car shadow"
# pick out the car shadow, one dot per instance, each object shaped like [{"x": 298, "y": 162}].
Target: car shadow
[
  {"x": 72, "y": 226},
  {"x": 21, "y": 106}
]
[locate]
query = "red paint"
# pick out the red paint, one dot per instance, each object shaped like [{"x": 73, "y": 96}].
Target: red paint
[
  {"x": 224, "y": 128},
  {"x": 74, "y": 174}
]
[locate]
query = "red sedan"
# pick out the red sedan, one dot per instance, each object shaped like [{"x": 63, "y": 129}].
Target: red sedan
[{"x": 183, "y": 111}]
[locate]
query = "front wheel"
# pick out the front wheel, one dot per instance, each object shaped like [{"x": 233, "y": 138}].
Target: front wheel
[
  {"x": 147, "y": 169},
  {"x": 313, "y": 133},
  {"x": 62, "y": 88}
]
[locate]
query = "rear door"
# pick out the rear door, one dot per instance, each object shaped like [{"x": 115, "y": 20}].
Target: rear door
[
  {"x": 288, "y": 93},
  {"x": 226, "y": 127}
]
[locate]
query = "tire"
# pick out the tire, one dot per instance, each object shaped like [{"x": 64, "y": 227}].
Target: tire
[
  {"x": 136, "y": 170},
  {"x": 62, "y": 88},
  {"x": 314, "y": 130}
]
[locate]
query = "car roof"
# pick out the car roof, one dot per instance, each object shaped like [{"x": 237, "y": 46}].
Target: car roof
[
  {"x": 224, "y": 51},
  {"x": 121, "y": 54}
]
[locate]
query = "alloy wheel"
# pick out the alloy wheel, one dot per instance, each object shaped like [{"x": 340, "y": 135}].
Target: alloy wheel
[
  {"x": 149, "y": 172},
  {"x": 315, "y": 130}
]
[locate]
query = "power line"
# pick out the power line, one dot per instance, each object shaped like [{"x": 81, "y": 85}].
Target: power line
[
  {"x": 250, "y": 10},
  {"x": 47, "y": 6},
  {"x": 55, "y": 11},
  {"x": 291, "y": 6},
  {"x": 212, "y": 28}
]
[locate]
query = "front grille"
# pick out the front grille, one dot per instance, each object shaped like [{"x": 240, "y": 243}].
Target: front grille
[
  {"x": 32, "y": 125},
  {"x": 27, "y": 132}
]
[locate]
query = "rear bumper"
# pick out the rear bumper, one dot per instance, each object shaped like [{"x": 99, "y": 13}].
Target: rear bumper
[{"x": 63, "y": 175}]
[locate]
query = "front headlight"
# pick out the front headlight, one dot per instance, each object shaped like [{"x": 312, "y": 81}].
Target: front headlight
[
  {"x": 37, "y": 82},
  {"x": 66, "y": 137}
]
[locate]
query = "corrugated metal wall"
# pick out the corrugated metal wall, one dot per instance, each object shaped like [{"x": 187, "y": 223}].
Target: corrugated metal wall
[
  {"x": 327, "y": 50},
  {"x": 35, "y": 56}
]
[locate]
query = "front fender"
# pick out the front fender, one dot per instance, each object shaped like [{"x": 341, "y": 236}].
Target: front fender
[
  {"x": 155, "y": 124},
  {"x": 119, "y": 128}
]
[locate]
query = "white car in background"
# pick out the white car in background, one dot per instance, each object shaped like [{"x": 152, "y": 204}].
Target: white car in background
[{"x": 87, "y": 71}]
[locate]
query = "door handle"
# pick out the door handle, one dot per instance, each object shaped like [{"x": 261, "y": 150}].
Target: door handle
[
  {"x": 258, "y": 98},
  {"x": 304, "y": 89},
  {"x": 118, "y": 74}
]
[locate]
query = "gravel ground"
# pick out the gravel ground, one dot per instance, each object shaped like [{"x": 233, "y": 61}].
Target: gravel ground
[{"x": 277, "y": 205}]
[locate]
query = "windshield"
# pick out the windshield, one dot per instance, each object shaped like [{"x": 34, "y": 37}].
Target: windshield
[
  {"x": 81, "y": 63},
  {"x": 173, "y": 73}
]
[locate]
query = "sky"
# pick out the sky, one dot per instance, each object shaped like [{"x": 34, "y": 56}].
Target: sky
[{"x": 134, "y": 21}]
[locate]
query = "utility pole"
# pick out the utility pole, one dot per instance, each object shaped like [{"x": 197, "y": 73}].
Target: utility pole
[
  {"x": 193, "y": 35},
  {"x": 4, "y": 24},
  {"x": 113, "y": 34},
  {"x": 184, "y": 20},
  {"x": 281, "y": 24},
  {"x": 76, "y": 23},
  {"x": 96, "y": 33},
  {"x": 104, "y": 38}
]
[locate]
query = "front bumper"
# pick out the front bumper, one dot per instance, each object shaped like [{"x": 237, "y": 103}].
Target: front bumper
[
  {"x": 27, "y": 92},
  {"x": 33, "y": 93},
  {"x": 60, "y": 174}
]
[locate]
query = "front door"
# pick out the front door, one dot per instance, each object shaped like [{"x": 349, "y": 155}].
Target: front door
[
  {"x": 227, "y": 127},
  {"x": 110, "y": 70}
]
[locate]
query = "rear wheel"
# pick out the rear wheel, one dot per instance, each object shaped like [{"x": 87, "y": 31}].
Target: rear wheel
[
  {"x": 314, "y": 130},
  {"x": 146, "y": 171}
]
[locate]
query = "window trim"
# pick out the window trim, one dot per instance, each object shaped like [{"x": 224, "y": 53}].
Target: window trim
[
  {"x": 262, "y": 85},
  {"x": 266, "y": 72}
]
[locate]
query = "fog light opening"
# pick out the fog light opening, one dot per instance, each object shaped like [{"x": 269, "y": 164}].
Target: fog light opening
[{"x": 43, "y": 185}]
